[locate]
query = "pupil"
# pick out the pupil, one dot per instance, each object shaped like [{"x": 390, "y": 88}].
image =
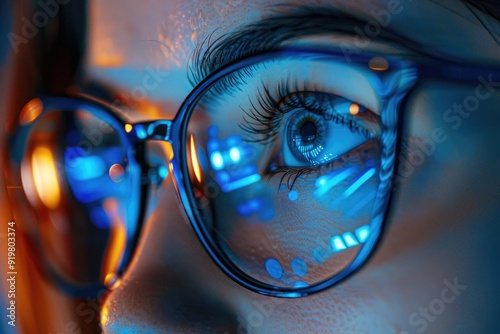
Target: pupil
[{"x": 308, "y": 131}]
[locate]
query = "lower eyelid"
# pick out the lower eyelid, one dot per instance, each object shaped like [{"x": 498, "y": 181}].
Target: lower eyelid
[{"x": 359, "y": 155}]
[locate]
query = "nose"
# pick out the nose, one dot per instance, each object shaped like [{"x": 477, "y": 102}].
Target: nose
[{"x": 171, "y": 285}]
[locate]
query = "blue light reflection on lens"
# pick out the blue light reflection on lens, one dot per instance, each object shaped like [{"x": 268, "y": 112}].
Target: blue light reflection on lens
[
  {"x": 240, "y": 183},
  {"x": 274, "y": 268},
  {"x": 337, "y": 243},
  {"x": 162, "y": 171},
  {"x": 350, "y": 239},
  {"x": 362, "y": 233},
  {"x": 342, "y": 242},
  {"x": 293, "y": 195},
  {"x": 327, "y": 182},
  {"x": 231, "y": 158},
  {"x": 300, "y": 284},
  {"x": 87, "y": 167},
  {"x": 359, "y": 182},
  {"x": 217, "y": 160},
  {"x": 234, "y": 154},
  {"x": 141, "y": 132},
  {"x": 299, "y": 267}
]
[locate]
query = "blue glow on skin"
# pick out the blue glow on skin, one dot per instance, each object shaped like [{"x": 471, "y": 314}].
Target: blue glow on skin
[
  {"x": 87, "y": 167},
  {"x": 350, "y": 239},
  {"x": 274, "y": 268},
  {"x": 362, "y": 233},
  {"x": 299, "y": 267},
  {"x": 293, "y": 195},
  {"x": 217, "y": 160},
  {"x": 326, "y": 182},
  {"x": 337, "y": 243}
]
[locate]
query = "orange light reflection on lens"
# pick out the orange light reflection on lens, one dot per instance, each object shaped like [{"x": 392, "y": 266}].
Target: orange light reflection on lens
[
  {"x": 31, "y": 111},
  {"x": 117, "y": 240},
  {"x": 112, "y": 281},
  {"x": 45, "y": 177},
  {"x": 104, "y": 315},
  {"x": 194, "y": 161}
]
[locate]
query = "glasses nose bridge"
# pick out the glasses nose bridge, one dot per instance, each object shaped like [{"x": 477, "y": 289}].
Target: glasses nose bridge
[{"x": 151, "y": 130}]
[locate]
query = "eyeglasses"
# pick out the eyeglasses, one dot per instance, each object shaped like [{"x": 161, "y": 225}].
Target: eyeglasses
[{"x": 283, "y": 162}]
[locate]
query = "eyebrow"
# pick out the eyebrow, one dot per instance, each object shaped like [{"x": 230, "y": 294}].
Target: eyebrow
[{"x": 271, "y": 33}]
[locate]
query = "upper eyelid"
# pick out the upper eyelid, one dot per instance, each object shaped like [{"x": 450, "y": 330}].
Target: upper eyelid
[{"x": 272, "y": 33}]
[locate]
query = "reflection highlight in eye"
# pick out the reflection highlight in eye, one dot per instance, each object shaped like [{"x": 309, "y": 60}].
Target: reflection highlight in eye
[
  {"x": 354, "y": 109},
  {"x": 378, "y": 64}
]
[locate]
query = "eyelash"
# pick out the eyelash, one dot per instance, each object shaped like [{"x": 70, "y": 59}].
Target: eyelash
[{"x": 266, "y": 120}]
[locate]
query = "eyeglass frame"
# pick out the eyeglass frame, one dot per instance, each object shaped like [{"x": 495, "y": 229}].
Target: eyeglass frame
[{"x": 171, "y": 129}]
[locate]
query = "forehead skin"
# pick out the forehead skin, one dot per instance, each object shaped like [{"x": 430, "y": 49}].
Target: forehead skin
[{"x": 163, "y": 34}]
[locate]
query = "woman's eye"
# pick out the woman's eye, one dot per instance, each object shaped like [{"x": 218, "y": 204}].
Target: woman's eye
[
  {"x": 317, "y": 130},
  {"x": 313, "y": 140}
]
